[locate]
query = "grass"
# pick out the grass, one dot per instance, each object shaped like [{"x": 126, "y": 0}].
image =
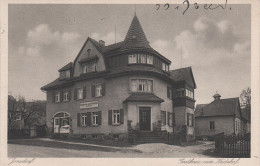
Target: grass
[{"x": 53, "y": 144}]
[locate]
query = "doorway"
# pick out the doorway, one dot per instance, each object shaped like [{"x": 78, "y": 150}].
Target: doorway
[{"x": 145, "y": 118}]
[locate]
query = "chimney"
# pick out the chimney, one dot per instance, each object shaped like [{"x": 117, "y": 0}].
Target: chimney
[
  {"x": 102, "y": 42},
  {"x": 217, "y": 96}
]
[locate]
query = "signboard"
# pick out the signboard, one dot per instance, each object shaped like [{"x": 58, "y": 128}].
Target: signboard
[{"x": 88, "y": 104}]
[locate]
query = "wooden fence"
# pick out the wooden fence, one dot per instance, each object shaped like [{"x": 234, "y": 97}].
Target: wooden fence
[{"x": 233, "y": 147}]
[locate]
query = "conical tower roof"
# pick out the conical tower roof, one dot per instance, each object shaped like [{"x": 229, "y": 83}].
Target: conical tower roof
[{"x": 135, "y": 37}]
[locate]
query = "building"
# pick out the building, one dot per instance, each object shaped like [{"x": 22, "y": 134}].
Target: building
[
  {"x": 221, "y": 115},
  {"x": 111, "y": 87}
]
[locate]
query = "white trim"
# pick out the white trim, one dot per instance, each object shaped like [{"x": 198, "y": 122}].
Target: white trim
[{"x": 61, "y": 112}]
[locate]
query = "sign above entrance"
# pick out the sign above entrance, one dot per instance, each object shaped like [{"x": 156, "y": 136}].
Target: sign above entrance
[{"x": 88, "y": 104}]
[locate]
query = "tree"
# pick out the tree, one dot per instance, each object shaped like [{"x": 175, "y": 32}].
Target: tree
[
  {"x": 12, "y": 106},
  {"x": 245, "y": 98},
  {"x": 32, "y": 113}
]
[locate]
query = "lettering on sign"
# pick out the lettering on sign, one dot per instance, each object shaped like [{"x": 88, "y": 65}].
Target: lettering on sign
[{"x": 89, "y": 104}]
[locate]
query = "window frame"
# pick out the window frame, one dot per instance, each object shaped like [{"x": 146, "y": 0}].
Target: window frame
[
  {"x": 212, "y": 125},
  {"x": 83, "y": 119},
  {"x": 78, "y": 90},
  {"x": 146, "y": 86},
  {"x": 94, "y": 118},
  {"x": 66, "y": 93},
  {"x": 115, "y": 117},
  {"x": 100, "y": 90},
  {"x": 163, "y": 118},
  {"x": 57, "y": 94},
  {"x": 189, "y": 120}
]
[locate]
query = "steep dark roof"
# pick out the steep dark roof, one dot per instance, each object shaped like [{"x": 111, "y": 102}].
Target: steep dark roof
[
  {"x": 199, "y": 108},
  {"x": 135, "y": 40},
  {"x": 219, "y": 108},
  {"x": 135, "y": 36},
  {"x": 56, "y": 83},
  {"x": 183, "y": 74},
  {"x": 144, "y": 97},
  {"x": 66, "y": 67}
]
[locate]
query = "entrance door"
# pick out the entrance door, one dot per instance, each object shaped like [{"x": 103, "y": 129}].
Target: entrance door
[
  {"x": 145, "y": 118},
  {"x": 56, "y": 125}
]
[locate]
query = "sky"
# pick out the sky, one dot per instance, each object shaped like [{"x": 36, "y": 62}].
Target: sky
[{"x": 215, "y": 43}]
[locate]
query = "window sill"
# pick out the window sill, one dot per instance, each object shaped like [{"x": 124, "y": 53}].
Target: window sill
[
  {"x": 140, "y": 64},
  {"x": 117, "y": 124}
]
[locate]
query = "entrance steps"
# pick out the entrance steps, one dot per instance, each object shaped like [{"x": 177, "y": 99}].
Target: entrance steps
[{"x": 149, "y": 137}]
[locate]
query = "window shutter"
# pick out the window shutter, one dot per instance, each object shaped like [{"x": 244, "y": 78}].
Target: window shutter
[
  {"x": 121, "y": 116},
  {"x": 84, "y": 92},
  {"x": 93, "y": 90},
  {"x": 110, "y": 117},
  {"x": 78, "y": 117},
  {"x": 192, "y": 123},
  {"x": 69, "y": 96},
  {"x": 61, "y": 96},
  {"x": 168, "y": 118},
  {"x": 75, "y": 94},
  {"x": 173, "y": 119},
  {"x": 88, "y": 118},
  {"x": 187, "y": 119},
  {"x": 99, "y": 117},
  {"x": 103, "y": 89},
  {"x": 53, "y": 97},
  {"x": 168, "y": 94}
]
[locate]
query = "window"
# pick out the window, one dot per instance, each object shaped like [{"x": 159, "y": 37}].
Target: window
[
  {"x": 189, "y": 119},
  {"x": 169, "y": 119},
  {"x": 132, "y": 58},
  {"x": 180, "y": 92},
  {"x": 169, "y": 92},
  {"x": 140, "y": 58},
  {"x": 163, "y": 117},
  {"x": 189, "y": 93},
  {"x": 66, "y": 96},
  {"x": 83, "y": 119},
  {"x": 67, "y": 73},
  {"x": 94, "y": 118},
  {"x": 149, "y": 59},
  {"x": 165, "y": 67},
  {"x": 141, "y": 85},
  {"x": 57, "y": 97},
  {"x": 80, "y": 93},
  {"x": 56, "y": 122},
  {"x": 87, "y": 68},
  {"x": 98, "y": 90},
  {"x": 116, "y": 117},
  {"x": 211, "y": 125}
]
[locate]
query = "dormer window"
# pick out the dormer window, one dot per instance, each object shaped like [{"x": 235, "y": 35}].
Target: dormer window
[
  {"x": 65, "y": 74},
  {"x": 165, "y": 67},
  {"x": 89, "y": 67},
  {"x": 140, "y": 58}
]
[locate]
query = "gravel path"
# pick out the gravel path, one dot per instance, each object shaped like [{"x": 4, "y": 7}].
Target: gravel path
[{"x": 147, "y": 151}]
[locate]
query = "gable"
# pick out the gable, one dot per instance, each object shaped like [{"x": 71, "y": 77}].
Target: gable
[
  {"x": 184, "y": 74},
  {"x": 84, "y": 55}
]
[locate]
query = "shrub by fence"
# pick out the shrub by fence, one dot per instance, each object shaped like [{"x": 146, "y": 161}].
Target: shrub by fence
[{"x": 233, "y": 146}]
